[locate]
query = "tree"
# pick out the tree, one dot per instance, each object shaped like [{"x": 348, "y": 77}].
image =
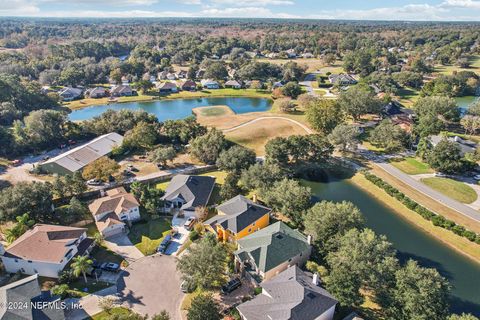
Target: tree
[
  {"x": 284, "y": 104},
  {"x": 389, "y": 136},
  {"x": 293, "y": 72},
  {"x": 229, "y": 188},
  {"x": 144, "y": 85},
  {"x": 192, "y": 72},
  {"x": 203, "y": 307},
  {"x": 418, "y": 294},
  {"x": 446, "y": 157},
  {"x": 68, "y": 185},
  {"x": 216, "y": 70},
  {"x": 102, "y": 169},
  {"x": 23, "y": 224},
  {"x": 183, "y": 131},
  {"x": 236, "y": 159},
  {"x": 80, "y": 266},
  {"x": 363, "y": 260},
  {"x": 289, "y": 197},
  {"x": 32, "y": 197},
  {"x": 443, "y": 107},
  {"x": 163, "y": 315},
  {"x": 45, "y": 127},
  {"x": 359, "y": 100},
  {"x": 208, "y": 147},
  {"x": 345, "y": 137},
  {"x": 463, "y": 316},
  {"x": 292, "y": 90},
  {"x": 327, "y": 222},
  {"x": 470, "y": 123},
  {"x": 305, "y": 100},
  {"x": 260, "y": 176},
  {"x": 106, "y": 304},
  {"x": 324, "y": 115},
  {"x": 143, "y": 136},
  {"x": 162, "y": 155},
  {"x": 277, "y": 151},
  {"x": 204, "y": 264}
]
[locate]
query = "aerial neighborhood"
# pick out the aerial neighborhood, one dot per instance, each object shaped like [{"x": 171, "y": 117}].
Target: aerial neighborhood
[{"x": 238, "y": 169}]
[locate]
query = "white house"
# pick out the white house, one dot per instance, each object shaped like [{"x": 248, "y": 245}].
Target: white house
[
  {"x": 210, "y": 84},
  {"x": 69, "y": 93},
  {"x": 114, "y": 211},
  {"x": 45, "y": 250}
]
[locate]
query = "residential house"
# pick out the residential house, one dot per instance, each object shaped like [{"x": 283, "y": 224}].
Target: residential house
[
  {"x": 171, "y": 76},
  {"x": 167, "y": 87},
  {"x": 342, "y": 79},
  {"x": 308, "y": 55},
  {"x": 291, "y": 295},
  {"x": 272, "y": 55},
  {"x": 77, "y": 158},
  {"x": 123, "y": 90},
  {"x": 97, "y": 92},
  {"x": 45, "y": 250},
  {"x": 29, "y": 302},
  {"x": 114, "y": 211},
  {"x": 400, "y": 116},
  {"x": 185, "y": 193},
  {"x": 291, "y": 54},
  {"x": 269, "y": 251},
  {"x": 188, "y": 85},
  {"x": 182, "y": 74},
  {"x": 69, "y": 93},
  {"x": 234, "y": 84},
  {"x": 162, "y": 75},
  {"x": 210, "y": 84},
  {"x": 466, "y": 146},
  {"x": 199, "y": 74},
  {"x": 237, "y": 218},
  {"x": 277, "y": 84}
]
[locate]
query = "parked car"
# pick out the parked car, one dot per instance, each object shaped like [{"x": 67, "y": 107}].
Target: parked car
[
  {"x": 110, "y": 266},
  {"x": 94, "y": 182},
  {"x": 128, "y": 173},
  {"x": 164, "y": 245},
  {"x": 440, "y": 175},
  {"x": 189, "y": 223},
  {"x": 130, "y": 167},
  {"x": 187, "y": 286},
  {"x": 16, "y": 162},
  {"x": 231, "y": 286}
]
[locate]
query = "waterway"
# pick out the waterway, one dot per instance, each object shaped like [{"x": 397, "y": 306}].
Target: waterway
[
  {"x": 411, "y": 242},
  {"x": 464, "y": 102},
  {"x": 176, "y": 108}
]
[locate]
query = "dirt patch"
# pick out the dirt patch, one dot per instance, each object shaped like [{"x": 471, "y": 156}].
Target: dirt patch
[{"x": 212, "y": 111}]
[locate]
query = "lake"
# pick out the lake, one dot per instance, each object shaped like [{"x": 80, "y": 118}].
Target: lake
[
  {"x": 411, "y": 242},
  {"x": 464, "y": 102},
  {"x": 176, "y": 108}
]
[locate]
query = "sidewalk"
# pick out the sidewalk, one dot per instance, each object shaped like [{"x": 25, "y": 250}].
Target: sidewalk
[{"x": 89, "y": 304}]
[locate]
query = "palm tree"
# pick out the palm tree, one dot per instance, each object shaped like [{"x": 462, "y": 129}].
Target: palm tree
[
  {"x": 24, "y": 222},
  {"x": 11, "y": 235},
  {"x": 80, "y": 266}
]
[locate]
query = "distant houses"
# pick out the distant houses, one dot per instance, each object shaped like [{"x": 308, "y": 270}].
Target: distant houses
[
  {"x": 112, "y": 212},
  {"x": 290, "y": 295},
  {"x": 97, "y": 92},
  {"x": 69, "y": 93},
  {"x": 210, "y": 84},
  {"x": 264, "y": 253},
  {"x": 342, "y": 79},
  {"x": 188, "y": 85},
  {"x": 167, "y": 87},
  {"x": 45, "y": 250},
  {"x": 123, "y": 90},
  {"x": 77, "y": 158},
  {"x": 465, "y": 146},
  {"x": 185, "y": 193},
  {"x": 234, "y": 84}
]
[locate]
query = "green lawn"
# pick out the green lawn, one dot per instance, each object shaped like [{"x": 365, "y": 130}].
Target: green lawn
[
  {"x": 80, "y": 288},
  {"x": 411, "y": 165},
  {"x": 408, "y": 96},
  {"x": 451, "y": 188},
  {"x": 103, "y": 254},
  {"x": 214, "y": 111},
  {"x": 119, "y": 311},
  {"x": 449, "y": 69},
  {"x": 147, "y": 236}
]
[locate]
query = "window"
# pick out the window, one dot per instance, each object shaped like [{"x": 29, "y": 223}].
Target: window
[
  {"x": 29, "y": 261},
  {"x": 16, "y": 260},
  {"x": 253, "y": 224},
  {"x": 249, "y": 230}
]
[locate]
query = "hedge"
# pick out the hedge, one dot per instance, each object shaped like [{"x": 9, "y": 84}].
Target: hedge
[{"x": 436, "y": 219}]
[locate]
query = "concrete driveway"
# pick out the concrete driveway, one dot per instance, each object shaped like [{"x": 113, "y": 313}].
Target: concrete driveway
[
  {"x": 150, "y": 285},
  {"x": 122, "y": 245}
]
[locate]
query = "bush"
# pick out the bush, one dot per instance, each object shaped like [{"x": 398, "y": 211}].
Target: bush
[
  {"x": 257, "y": 290},
  {"x": 194, "y": 235}
]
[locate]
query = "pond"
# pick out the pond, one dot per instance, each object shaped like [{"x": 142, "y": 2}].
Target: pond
[
  {"x": 411, "y": 242},
  {"x": 464, "y": 102},
  {"x": 176, "y": 108}
]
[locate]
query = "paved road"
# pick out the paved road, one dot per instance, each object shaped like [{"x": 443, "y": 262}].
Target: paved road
[
  {"x": 307, "y": 129},
  {"x": 452, "y": 204},
  {"x": 122, "y": 245}
]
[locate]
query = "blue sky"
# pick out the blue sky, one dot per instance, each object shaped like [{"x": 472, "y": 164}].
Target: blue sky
[{"x": 448, "y": 10}]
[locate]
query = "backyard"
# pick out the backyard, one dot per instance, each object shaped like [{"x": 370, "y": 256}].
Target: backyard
[
  {"x": 451, "y": 188},
  {"x": 411, "y": 165},
  {"x": 147, "y": 236}
]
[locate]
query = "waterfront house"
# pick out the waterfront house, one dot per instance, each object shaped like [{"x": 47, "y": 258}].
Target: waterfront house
[
  {"x": 69, "y": 93},
  {"x": 210, "y": 84},
  {"x": 188, "y": 85},
  {"x": 123, "y": 90},
  {"x": 167, "y": 87},
  {"x": 114, "y": 211},
  {"x": 97, "y": 92},
  {"x": 45, "y": 250},
  {"x": 237, "y": 218},
  {"x": 290, "y": 295},
  {"x": 267, "y": 252},
  {"x": 234, "y": 84},
  {"x": 182, "y": 74}
]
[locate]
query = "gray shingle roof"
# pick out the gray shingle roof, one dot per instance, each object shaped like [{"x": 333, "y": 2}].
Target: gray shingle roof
[
  {"x": 273, "y": 245},
  {"x": 194, "y": 190},
  {"x": 290, "y": 295},
  {"x": 23, "y": 292},
  {"x": 240, "y": 212}
]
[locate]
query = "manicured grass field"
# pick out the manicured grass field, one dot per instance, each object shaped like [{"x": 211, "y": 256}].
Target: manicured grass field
[
  {"x": 213, "y": 111},
  {"x": 408, "y": 96},
  {"x": 119, "y": 311},
  {"x": 475, "y": 66},
  {"x": 313, "y": 64},
  {"x": 454, "y": 189},
  {"x": 411, "y": 165},
  {"x": 78, "y": 104},
  {"x": 81, "y": 288},
  {"x": 148, "y": 236}
]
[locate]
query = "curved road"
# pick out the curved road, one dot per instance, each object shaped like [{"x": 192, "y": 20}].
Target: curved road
[{"x": 304, "y": 127}]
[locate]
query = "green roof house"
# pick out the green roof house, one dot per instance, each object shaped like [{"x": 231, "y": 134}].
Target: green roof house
[{"x": 271, "y": 250}]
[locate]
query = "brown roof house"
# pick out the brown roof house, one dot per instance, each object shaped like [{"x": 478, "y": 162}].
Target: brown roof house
[
  {"x": 112, "y": 212},
  {"x": 45, "y": 250},
  {"x": 167, "y": 87},
  {"x": 122, "y": 90},
  {"x": 188, "y": 85}
]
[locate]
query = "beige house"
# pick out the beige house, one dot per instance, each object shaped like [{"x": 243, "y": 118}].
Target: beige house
[{"x": 114, "y": 211}]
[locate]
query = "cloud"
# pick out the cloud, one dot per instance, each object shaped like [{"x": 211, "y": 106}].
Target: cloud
[
  {"x": 252, "y": 3},
  {"x": 469, "y": 4},
  {"x": 244, "y": 12},
  {"x": 18, "y": 7}
]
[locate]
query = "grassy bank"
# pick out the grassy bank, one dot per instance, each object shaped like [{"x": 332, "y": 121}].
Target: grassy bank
[
  {"x": 411, "y": 165},
  {"x": 451, "y": 188},
  {"x": 454, "y": 241}
]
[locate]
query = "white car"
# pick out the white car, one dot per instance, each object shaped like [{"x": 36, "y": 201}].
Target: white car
[
  {"x": 476, "y": 177},
  {"x": 440, "y": 175}
]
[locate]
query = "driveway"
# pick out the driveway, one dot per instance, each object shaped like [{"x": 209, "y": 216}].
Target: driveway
[
  {"x": 122, "y": 245},
  {"x": 84, "y": 308},
  {"x": 150, "y": 285}
]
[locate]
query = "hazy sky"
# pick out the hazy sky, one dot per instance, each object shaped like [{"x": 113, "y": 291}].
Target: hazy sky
[{"x": 450, "y": 10}]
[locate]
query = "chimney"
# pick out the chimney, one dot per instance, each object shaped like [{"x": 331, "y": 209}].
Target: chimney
[
  {"x": 315, "y": 279},
  {"x": 254, "y": 198},
  {"x": 309, "y": 239}
]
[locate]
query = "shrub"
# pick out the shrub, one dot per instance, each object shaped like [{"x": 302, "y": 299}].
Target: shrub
[{"x": 194, "y": 235}]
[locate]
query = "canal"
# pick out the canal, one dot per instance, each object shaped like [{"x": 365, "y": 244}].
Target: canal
[
  {"x": 411, "y": 242},
  {"x": 176, "y": 108}
]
